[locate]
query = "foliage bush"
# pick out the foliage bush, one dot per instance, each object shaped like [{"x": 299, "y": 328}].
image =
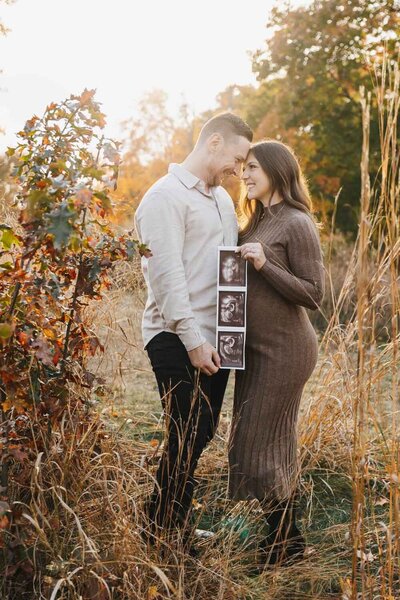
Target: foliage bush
[{"x": 52, "y": 265}]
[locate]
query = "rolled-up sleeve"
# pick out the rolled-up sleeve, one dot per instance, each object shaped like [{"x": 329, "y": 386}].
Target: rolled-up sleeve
[{"x": 160, "y": 223}]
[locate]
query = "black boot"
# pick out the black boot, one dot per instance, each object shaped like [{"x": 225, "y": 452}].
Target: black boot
[{"x": 284, "y": 543}]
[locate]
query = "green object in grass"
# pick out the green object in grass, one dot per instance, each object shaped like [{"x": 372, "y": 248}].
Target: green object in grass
[{"x": 238, "y": 526}]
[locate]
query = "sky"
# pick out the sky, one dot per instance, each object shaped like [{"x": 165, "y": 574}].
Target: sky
[{"x": 192, "y": 49}]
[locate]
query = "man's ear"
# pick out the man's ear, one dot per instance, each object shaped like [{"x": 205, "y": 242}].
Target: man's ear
[{"x": 215, "y": 142}]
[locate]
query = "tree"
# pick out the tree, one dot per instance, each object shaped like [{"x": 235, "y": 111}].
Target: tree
[
  {"x": 154, "y": 139},
  {"x": 310, "y": 72}
]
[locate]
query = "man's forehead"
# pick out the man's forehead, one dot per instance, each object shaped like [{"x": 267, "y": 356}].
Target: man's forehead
[{"x": 241, "y": 145}]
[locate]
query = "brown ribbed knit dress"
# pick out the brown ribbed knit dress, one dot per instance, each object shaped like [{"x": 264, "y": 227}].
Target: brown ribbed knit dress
[{"x": 281, "y": 353}]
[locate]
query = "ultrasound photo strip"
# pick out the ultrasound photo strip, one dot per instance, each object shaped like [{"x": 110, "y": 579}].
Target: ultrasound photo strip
[
  {"x": 232, "y": 268},
  {"x": 230, "y": 347},
  {"x": 231, "y": 309}
]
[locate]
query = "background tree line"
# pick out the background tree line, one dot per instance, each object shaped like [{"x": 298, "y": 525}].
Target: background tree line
[{"x": 310, "y": 72}]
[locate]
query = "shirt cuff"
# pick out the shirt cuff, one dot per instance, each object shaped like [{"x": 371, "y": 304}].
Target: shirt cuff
[{"x": 190, "y": 336}]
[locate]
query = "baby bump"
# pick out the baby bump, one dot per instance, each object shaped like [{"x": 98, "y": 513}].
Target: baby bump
[{"x": 288, "y": 345}]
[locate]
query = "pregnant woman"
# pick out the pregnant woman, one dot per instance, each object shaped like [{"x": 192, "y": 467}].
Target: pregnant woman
[{"x": 279, "y": 240}]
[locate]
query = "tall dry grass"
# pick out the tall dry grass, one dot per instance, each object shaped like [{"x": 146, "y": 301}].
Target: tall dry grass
[
  {"x": 84, "y": 508},
  {"x": 352, "y": 423}
]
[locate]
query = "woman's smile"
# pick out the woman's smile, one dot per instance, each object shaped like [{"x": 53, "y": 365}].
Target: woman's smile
[{"x": 257, "y": 182}]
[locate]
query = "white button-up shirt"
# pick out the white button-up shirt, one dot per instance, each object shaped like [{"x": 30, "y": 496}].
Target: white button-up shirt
[{"x": 183, "y": 225}]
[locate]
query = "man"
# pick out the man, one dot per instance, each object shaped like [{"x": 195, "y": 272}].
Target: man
[{"x": 183, "y": 218}]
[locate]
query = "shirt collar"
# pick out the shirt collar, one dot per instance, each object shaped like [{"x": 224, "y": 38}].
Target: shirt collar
[
  {"x": 185, "y": 176},
  {"x": 189, "y": 180}
]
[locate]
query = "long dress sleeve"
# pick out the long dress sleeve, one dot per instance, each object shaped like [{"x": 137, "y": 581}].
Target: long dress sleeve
[{"x": 303, "y": 283}]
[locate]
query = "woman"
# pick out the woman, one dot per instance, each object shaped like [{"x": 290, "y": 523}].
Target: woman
[{"x": 285, "y": 276}]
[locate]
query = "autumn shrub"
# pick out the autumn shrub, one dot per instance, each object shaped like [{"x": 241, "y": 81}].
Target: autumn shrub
[{"x": 55, "y": 260}]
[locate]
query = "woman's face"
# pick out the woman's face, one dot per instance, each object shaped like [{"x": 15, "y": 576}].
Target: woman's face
[{"x": 255, "y": 179}]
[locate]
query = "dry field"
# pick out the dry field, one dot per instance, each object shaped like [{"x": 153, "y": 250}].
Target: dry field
[{"x": 84, "y": 505}]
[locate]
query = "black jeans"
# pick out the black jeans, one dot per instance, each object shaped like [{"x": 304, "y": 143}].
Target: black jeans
[{"x": 192, "y": 404}]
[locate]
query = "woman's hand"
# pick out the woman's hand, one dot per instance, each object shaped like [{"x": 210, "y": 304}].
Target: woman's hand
[{"x": 254, "y": 253}]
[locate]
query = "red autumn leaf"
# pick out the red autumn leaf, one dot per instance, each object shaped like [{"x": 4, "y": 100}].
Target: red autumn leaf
[
  {"x": 23, "y": 338},
  {"x": 41, "y": 185},
  {"x": 4, "y": 522},
  {"x": 8, "y": 376},
  {"x": 70, "y": 272},
  {"x": 19, "y": 275},
  {"x": 57, "y": 356},
  {"x": 4, "y": 517}
]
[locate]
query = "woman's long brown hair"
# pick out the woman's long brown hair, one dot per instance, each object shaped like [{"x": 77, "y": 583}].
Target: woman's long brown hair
[{"x": 279, "y": 162}]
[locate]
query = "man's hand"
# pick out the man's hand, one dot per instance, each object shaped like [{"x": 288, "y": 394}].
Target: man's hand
[{"x": 205, "y": 358}]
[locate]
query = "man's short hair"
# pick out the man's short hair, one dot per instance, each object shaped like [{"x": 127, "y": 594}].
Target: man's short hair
[{"x": 228, "y": 125}]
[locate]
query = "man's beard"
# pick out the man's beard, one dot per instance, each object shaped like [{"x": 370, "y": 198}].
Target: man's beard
[
  {"x": 214, "y": 180},
  {"x": 218, "y": 178}
]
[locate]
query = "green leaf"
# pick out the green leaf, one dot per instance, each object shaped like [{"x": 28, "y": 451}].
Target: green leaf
[
  {"x": 6, "y": 266},
  {"x": 100, "y": 195},
  {"x": 61, "y": 226},
  {"x": 105, "y": 200},
  {"x": 93, "y": 172},
  {"x": 6, "y": 330},
  {"x": 8, "y": 239},
  {"x": 36, "y": 203},
  {"x": 74, "y": 243},
  {"x": 10, "y": 151},
  {"x": 59, "y": 165},
  {"x": 95, "y": 269}
]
